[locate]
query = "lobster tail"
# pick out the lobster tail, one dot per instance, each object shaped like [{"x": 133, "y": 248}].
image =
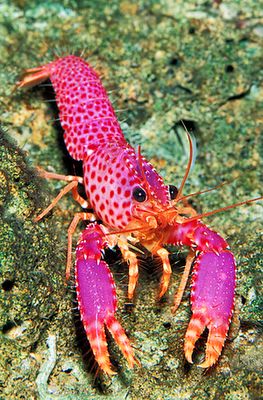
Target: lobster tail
[{"x": 85, "y": 111}]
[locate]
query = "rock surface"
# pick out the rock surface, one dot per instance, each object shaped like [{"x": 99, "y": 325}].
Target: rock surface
[{"x": 164, "y": 61}]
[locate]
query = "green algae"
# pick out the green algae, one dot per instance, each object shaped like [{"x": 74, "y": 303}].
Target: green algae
[
  {"x": 29, "y": 286},
  {"x": 164, "y": 61}
]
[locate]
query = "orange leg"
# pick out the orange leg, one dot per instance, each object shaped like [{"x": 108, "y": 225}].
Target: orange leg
[
  {"x": 132, "y": 261},
  {"x": 33, "y": 76},
  {"x": 71, "y": 186},
  {"x": 133, "y": 274},
  {"x": 74, "y": 180},
  {"x": 84, "y": 203},
  {"x": 65, "y": 190},
  {"x": 163, "y": 254},
  {"x": 60, "y": 177},
  {"x": 178, "y": 297}
]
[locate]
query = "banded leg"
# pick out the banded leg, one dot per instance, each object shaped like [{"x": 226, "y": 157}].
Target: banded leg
[
  {"x": 72, "y": 186},
  {"x": 178, "y": 297},
  {"x": 52, "y": 175},
  {"x": 164, "y": 255},
  {"x": 68, "y": 178},
  {"x": 132, "y": 262},
  {"x": 65, "y": 190}
]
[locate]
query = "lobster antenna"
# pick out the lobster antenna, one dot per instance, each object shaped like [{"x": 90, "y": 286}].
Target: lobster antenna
[
  {"x": 188, "y": 164},
  {"x": 206, "y": 190},
  {"x": 207, "y": 214}
]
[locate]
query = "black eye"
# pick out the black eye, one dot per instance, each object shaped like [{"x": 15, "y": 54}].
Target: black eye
[
  {"x": 173, "y": 191},
  {"x": 139, "y": 194}
]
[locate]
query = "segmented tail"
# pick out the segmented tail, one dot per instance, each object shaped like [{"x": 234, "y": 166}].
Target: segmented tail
[{"x": 85, "y": 111}]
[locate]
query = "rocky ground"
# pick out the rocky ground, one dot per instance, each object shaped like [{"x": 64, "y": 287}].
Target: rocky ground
[{"x": 162, "y": 62}]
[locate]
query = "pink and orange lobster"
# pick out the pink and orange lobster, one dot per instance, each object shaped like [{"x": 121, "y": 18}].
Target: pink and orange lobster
[{"x": 135, "y": 206}]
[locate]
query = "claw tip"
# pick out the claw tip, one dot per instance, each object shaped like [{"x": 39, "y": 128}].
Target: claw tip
[
  {"x": 188, "y": 356},
  {"x": 174, "y": 309},
  {"x": 206, "y": 364}
]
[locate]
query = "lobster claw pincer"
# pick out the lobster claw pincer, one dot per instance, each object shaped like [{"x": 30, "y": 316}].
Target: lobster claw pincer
[
  {"x": 212, "y": 300},
  {"x": 97, "y": 301}
]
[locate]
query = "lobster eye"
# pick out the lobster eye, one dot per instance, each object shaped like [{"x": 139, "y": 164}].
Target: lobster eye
[
  {"x": 173, "y": 191},
  {"x": 139, "y": 194}
]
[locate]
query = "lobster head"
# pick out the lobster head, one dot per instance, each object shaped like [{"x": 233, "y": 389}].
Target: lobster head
[{"x": 156, "y": 206}]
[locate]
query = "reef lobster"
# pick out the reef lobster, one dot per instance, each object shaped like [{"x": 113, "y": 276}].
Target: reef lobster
[{"x": 135, "y": 206}]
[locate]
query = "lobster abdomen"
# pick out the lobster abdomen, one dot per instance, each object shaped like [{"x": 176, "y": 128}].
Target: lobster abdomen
[{"x": 85, "y": 111}]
